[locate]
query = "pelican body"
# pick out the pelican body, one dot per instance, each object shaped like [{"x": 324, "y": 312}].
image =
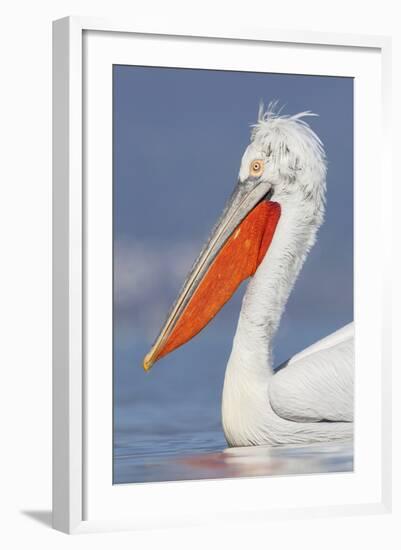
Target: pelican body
[{"x": 265, "y": 232}]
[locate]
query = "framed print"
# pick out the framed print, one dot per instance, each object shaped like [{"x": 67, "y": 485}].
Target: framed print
[{"x": 219, "y": 275}]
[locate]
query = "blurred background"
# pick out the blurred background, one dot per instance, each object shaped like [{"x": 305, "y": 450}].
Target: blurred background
[{"x": 179, "y": 135}]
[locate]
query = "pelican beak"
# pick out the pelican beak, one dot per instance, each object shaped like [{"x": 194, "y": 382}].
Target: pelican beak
[{"x": 236, "y": 247}]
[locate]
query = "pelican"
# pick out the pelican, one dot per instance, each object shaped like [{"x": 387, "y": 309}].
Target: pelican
[{"x": 265, "y": 233}]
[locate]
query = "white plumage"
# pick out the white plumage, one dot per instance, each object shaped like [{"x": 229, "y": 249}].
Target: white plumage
[{"x": 310, "y": 399}]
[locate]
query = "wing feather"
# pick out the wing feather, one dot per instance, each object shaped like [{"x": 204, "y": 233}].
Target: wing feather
[{"x": 317, "y": 384}]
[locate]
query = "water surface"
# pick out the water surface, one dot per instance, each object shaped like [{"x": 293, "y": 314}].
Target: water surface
[
  {"x": 207, "y": 460},
  {"x": 167, "y": 422}
]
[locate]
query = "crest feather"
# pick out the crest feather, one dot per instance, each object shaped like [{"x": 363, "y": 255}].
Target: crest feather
[{"x": 293, "y": 149}]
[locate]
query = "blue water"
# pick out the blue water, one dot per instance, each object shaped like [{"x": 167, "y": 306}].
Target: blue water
[{"x": 167, "y": 422}]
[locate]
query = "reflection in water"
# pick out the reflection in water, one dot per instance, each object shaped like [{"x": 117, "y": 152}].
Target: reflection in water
[{"x": 236, "y": 462}]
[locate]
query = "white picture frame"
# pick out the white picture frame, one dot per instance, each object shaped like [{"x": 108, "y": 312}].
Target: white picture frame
[{"x": 82, "y": 498}]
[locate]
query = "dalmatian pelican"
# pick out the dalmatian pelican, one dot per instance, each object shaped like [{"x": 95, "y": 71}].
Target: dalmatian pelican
[{"x": 265, "y": 232}]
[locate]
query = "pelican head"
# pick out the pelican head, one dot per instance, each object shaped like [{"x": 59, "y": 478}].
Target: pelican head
[{"x": 283, "y": 165}]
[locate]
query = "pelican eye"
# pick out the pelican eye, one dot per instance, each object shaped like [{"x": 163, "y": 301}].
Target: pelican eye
[{"x": 256, "y": 168}]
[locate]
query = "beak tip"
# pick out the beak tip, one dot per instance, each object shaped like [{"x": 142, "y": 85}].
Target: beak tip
[{"x": 148, "y": 362}]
